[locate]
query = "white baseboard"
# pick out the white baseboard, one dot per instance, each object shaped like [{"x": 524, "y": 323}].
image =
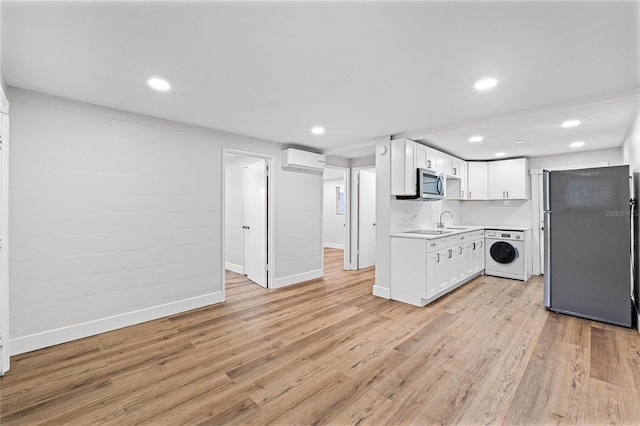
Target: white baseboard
[
  {"x": 383, "y": 292},
  {"x": 334, "y": 245},
  {"x": 90, "y": 328},
  {"x": 233, "y": 267},
  {"x": 297, "y": 278}
]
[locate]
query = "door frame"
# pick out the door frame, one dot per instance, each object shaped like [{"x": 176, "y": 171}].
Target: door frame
[
  {"x": 5, "y": 349},
  {"x": 270, "y": 159},
  {"x": 355, "y": 216},
  {"x": 347, "y": 216}
]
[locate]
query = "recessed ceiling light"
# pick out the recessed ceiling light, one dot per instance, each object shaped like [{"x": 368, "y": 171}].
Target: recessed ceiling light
[
  {"x": 500, "y": 154},
  {"x": 476, "y": 138},
  {"x": 570, "y": 123},
  {"x": 519, "y": 141},
  {"x": 576, "y": 144},
  {"x": 159, "y": 84},
  {"x": 486, "y": 83},
  {"x": 317, "y": 130}
]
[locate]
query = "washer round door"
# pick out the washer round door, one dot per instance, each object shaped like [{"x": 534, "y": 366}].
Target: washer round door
[{"x": 503, "y": 252}]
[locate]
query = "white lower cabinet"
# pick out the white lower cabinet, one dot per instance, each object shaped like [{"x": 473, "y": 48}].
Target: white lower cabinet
[
  {"x": 478, "y": 254},
  {"x": 424, "y": 269}
]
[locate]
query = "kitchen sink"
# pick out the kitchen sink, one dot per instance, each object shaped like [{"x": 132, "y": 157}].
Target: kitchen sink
[
  {"x": 457, "y": 227},
  {"x": 428, "y": 232}
]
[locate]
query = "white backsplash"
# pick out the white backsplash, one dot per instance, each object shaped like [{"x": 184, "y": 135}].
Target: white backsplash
[
  {"x": 499, "y": 212},
  {"x": 416, "y": 214}
]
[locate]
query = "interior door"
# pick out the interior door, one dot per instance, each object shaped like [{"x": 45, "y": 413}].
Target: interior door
[
  {"x": 254, "y": 208},
  {"x": 367, "y": 218}
]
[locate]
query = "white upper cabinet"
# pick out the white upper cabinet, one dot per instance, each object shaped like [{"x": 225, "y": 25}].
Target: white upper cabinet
[
  {"x": 507, "y": 180},
  {"x": 451, "y": 166},
  {"x": 403, "y": 167},
  {"x": 426, "y": 158},
  {"x": 476, "y": 180},
  {"x": 463, "y": 181},
  {"x": 455, "y": 170},
  {"x": 466, "y": 180}
]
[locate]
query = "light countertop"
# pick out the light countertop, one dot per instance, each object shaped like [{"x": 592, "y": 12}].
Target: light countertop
[{"x": 455, "y": 230}]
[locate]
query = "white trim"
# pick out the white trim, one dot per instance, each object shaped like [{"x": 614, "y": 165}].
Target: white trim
[
  {"x": 334, "y": 246},
  {"x": 234, "y": 268},
  {"x": 90, "y": 328},
  {"x": 5, "y": 351},
  {"x": 298, "y": 278},
  {"x": 383, "y": 292}
]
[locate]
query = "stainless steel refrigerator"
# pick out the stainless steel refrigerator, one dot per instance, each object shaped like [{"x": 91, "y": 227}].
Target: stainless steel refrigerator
[{"x": 587, "y": 233}]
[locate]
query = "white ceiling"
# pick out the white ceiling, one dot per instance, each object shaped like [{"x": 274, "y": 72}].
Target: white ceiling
[{"x": 272, "y": 70}]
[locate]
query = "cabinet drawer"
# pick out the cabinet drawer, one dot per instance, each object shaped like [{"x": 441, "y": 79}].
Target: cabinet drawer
[
  {"x": 465, "y": 237},
  {"x": 447, "y": 242},
  {"x": 432, "y": 245}
]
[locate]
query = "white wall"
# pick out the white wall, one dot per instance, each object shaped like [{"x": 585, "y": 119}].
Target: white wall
[
  {"x": 333, "y": 224},
  {"x": 631, "y": 154},
  {"x": 233, "y": 210},
  {"x": 116, "y": 218},
  {"x": 579, "y": 158}
]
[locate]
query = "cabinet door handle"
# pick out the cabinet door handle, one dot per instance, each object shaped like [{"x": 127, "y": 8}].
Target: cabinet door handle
[
  {"x": 459, "y": 250},
  {"x": 469, "y": 194},
  {"x": 438, "y": 259},
  {"x": 461, "y": 194},
  {"x": 450, "y": 253},
  {"x": 429, "y": 163},
  {"x": 481, "y": 244},
  {"x": 455, "y": 171},
  {"x": 507, "y": 194},
  {"x": 474, "y": 246},
  {"x": 432, "y": 244}
]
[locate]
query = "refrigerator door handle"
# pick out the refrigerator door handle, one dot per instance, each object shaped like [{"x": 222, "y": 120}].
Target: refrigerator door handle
[
  {"x": 547, "y": 260},
  {"x": 545, "y": 191}
]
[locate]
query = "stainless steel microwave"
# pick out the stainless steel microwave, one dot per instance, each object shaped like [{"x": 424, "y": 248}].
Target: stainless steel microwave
[{"x": 429, "y": 186}]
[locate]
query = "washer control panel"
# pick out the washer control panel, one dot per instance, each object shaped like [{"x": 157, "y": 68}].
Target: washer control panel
[{"x": 503, "y": 235}]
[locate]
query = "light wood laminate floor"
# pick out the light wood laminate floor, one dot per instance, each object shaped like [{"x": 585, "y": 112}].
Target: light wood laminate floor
[{"x": 328, "y": 352}]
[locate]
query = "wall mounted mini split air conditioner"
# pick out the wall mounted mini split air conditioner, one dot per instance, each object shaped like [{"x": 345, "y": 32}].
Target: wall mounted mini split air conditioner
[{"x": 303, "y": 161}]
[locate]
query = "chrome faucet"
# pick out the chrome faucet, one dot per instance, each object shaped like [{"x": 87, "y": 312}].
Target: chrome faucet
[{"x": 441, "y": 223}]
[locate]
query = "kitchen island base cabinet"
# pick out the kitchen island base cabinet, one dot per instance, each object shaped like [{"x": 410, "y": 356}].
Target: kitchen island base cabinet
[{"x": 423, "y": 270}]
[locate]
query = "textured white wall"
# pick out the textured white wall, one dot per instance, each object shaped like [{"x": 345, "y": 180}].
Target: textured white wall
[
  {"x": 333, "y": 224},
  {"x": 113, "y": 213}
]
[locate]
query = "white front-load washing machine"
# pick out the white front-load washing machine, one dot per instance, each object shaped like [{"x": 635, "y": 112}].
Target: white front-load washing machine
[{"x": 504, "y": 254}]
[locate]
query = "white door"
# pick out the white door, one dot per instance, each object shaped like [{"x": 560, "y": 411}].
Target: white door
[
  {"x": 367, "y": 218},
  {"x": 255, "y": 222}
]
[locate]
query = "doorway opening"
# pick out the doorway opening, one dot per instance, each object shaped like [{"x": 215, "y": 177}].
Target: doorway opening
[
  {"x": 364, "y": 232},
  {"x": 335, "y": 215},
  {"x": 247, "y": 212}
]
